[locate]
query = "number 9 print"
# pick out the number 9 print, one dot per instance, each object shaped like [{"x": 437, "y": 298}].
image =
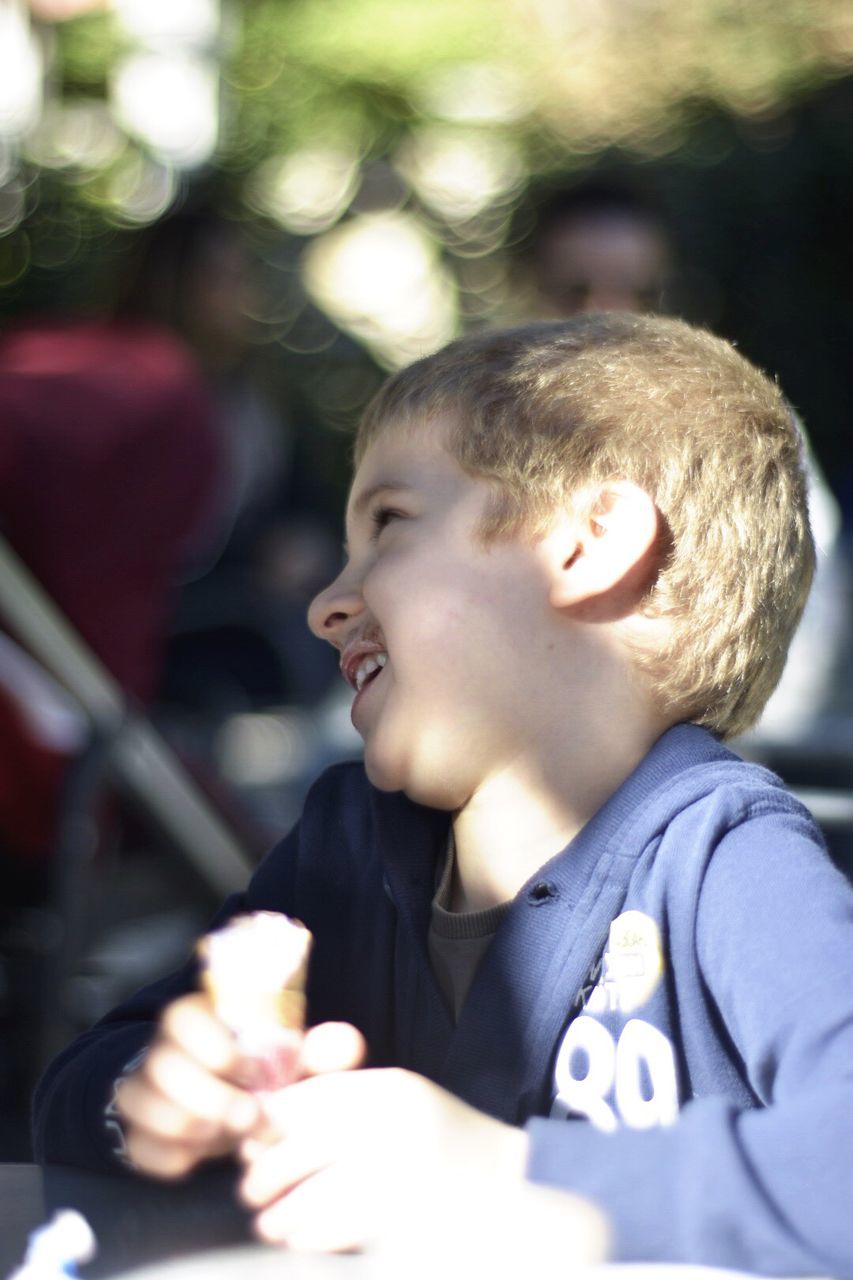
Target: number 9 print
[{"x": 630, "y": 1081}]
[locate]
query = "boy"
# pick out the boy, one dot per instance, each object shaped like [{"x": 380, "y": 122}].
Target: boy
[{"x": 576, "y": 556}]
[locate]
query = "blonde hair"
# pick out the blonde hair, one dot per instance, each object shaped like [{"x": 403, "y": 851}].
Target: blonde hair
[{"x": 546, "y": 410}]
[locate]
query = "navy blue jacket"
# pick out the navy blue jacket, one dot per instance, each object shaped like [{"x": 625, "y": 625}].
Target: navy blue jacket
[{"x": 667, "y": 1006}]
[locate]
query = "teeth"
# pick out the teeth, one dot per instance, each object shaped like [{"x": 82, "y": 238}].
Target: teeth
[{"x": 367, "y": 668}]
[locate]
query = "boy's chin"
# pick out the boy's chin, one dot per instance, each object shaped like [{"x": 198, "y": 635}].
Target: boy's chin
[{"x": 432, "y": 793}]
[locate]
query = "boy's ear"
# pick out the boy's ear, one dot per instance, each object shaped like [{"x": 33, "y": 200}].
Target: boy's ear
[{"x": 606, "y": 554}]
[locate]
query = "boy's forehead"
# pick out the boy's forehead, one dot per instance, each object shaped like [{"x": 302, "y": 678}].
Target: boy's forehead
[
  {"x": 398, "y": 451},
  {"x": 411, "y": 428}
]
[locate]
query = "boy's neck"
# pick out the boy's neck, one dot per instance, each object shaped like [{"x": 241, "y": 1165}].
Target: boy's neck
[{"x": 516, "y": 823}]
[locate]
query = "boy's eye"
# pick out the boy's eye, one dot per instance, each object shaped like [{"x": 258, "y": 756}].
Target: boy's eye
[{"x": 382, "y": 516}]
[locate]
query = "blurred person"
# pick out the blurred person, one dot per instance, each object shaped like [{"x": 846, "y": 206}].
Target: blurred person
[
  {"x": 599, "y": 246},
  {"x": 605, "y": 244},
  {"x": 108, "y": 464},
  {"x": 267, "y": 545}
]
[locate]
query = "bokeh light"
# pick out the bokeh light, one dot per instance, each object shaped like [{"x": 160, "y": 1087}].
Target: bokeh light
[
  {"x": 307, "y": 191},
  {"x": 476, "y": 93},
  {"x": 193, "y": 23},
  {"x": 20, "y": 71},
  {"x": 140, "y": 189},
  {"x": 458, "y": 174},
  {"x": 78, "y": 133},
  {"x": 392, "y": 139},
  {"x": 13, "y": 206},
  {"x": 260, "y": 750},
  {"x": 171, "y": 102},
  {"x": 380, "y": 277}
]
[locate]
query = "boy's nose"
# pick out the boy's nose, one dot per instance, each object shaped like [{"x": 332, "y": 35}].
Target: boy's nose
[{"x": 331, "y": 612}]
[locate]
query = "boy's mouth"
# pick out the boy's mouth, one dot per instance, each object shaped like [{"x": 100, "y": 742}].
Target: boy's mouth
[
  {"x": 369, "y": 668},
  {"x": 361, "y": 663}
]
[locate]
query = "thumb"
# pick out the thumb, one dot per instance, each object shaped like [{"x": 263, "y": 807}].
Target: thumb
[{"x": 332, "y": 1046}]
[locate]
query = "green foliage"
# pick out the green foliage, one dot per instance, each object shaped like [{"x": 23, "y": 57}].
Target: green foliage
[
  {"x": 85, "y": 50},
  {"x": 589, "y": 74},
  {"x": 710, "y": 97}
]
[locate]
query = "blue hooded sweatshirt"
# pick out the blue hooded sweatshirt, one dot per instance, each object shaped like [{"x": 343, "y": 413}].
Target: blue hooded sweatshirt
[{"x": 667, "y": 1006}]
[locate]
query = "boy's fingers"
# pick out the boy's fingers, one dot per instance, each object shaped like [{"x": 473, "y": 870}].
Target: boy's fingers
[
  {"x": 192, "y": 1090},
  {"x": 298, "y": 1108},
  {"x": 276, "y": 1170},
  {"x": 334, "y": 1211},
  {"x": 332, "y": 1046},
  {"x": 147, "y": 1110},
  {"x": 191, "y": 1024},
  {"x": 329, "y": 1213}
]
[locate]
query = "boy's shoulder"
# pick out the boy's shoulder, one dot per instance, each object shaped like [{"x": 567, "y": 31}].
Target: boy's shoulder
[
  {"x": 689, "y": 764},
  {"x": 712, "y": 828},
  {"x": 690, "y": 794},
  {"x": 743, "y": 790}
]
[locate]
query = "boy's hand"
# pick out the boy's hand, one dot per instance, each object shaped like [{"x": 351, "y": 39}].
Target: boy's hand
[
  {"x": 191, "y": 1099},
  {"x": 385, "y": 1157},
  {"x": 186, "y": 1102}
]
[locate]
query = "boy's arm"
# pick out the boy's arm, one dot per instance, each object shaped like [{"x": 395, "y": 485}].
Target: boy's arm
[
  {"x": 767, "y": 1189},
  {"x": 74, "y": 1117},
  {"x": 75, "y": 1120}
]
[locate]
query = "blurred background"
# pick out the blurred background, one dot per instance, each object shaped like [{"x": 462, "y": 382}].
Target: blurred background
[{"x": 221, "y": 224}]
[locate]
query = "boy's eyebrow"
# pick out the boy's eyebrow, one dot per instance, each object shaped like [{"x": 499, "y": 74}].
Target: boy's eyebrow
[{"x": 365, "y": 498}]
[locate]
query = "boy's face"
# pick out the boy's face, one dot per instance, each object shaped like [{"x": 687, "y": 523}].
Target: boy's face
[{"x": 442, "y": 638}]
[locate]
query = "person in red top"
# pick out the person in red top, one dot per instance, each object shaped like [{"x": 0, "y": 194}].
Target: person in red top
[{"x": 109, "y": 461}]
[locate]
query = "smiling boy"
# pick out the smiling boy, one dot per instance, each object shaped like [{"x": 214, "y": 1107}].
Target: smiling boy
[
  {"x": 609, "y": 956},
  {"x": 458, "y": 711}
]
